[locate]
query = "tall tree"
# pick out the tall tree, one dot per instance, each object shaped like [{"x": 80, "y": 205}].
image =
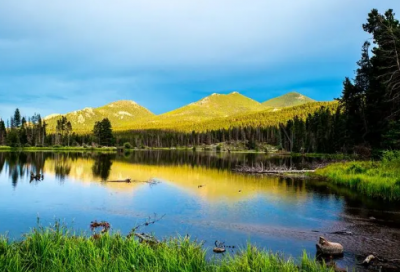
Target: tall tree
[
  {"x": 103, "y": 132},
  {"x": 17, "y": 118}
]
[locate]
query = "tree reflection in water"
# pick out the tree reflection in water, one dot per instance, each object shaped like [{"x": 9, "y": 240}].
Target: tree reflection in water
[{"x": 102, "y": 166}]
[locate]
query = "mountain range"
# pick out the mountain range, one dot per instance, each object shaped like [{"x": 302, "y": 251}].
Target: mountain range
[{"x": 128, "y": 115}]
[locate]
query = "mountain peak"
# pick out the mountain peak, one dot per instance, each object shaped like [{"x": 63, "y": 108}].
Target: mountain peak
[
  {"x": 288, "y": 100},
  {"x": 122, "y": 103},
  {"x": 218, "y": 105},
  {"x": 121, "y": 113}
]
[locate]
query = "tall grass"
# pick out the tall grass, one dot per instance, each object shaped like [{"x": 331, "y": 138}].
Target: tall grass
[
  {"x": 59, "y": 249},
  {"x": 378, "y": 179}
]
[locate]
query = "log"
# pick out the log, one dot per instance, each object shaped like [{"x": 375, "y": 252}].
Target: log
[
  {"x": 250, "y": 170},
  {"x": 124, "y": 180},
  {"x": 329, "y": 248}
]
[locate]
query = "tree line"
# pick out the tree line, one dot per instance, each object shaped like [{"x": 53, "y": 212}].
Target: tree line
[
  {"x": 31, "y": 131},
  {"x": 368, "y": 116},
  {"x": 22, "y": 131}
]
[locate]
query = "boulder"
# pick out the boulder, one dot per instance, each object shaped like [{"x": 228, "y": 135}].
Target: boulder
[{"x": 329, "y": 248}]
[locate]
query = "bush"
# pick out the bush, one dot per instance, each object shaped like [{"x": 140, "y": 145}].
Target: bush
[
  {"x": 127, "y": 145},
  {"x": 27, "y": 145},
  {"x": 57, "y": 146},
  {"x": 219, "y": 147},
  {"x": 362, "y": 151}
]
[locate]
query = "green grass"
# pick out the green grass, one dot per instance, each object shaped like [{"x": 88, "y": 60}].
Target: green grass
[
  {"x": 377, "y": 179},
  {"x": 59, "y": 249}
]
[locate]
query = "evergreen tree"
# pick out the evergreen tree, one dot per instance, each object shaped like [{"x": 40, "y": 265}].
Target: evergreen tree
[
  {"x": 103, "y": 132},
  {"x": 17, "y": 118}
]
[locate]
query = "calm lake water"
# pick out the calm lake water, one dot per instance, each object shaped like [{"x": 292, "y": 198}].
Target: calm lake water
[{"x": 280, "y": 214}]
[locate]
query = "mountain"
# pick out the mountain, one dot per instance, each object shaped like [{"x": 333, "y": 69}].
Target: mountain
[
  {"x": 216, "y": 105},
  {"x": 287, "y": 100},
  {"x": 212, "y": 112},
  {"x": 263, "y": 118},
  {"x": 120, "y": 114}
]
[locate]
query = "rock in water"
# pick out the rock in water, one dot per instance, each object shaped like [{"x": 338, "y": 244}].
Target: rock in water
[
  {"x": 219, "y": 250},
  {"x": 329, "y": 248}
]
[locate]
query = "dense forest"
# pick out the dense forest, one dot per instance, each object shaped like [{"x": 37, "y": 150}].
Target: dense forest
[{"x": 364, "y": 118}]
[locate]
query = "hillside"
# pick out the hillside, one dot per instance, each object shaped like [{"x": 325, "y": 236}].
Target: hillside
[
  {"x": 120, "y": 113},
  {"x": 216, "y": 105},
  {"x": 265, "y": 117},
  {"x": 287, "y": 100},
  {"x": 212, "y": 112}
]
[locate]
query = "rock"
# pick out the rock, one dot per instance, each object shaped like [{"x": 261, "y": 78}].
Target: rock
[
  {"x": 368, "y": 260},
  {"x": 329, "y": 248},
  {"x": 219, "y": 250},
  {"x": 335, "y": 268}
]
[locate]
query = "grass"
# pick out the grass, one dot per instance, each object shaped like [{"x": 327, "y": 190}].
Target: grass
[
  {"x": 377, "y": 179},
  {"x": 59, "y": 249}
]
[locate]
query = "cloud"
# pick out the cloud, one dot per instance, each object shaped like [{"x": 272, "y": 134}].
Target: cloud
[{"x": 67, "y": 51}]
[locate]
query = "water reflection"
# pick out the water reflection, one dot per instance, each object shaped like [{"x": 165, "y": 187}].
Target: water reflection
[
  {"x": 102, "y": 166},
  {"x": 278, "y": 212},
  {"x": 22, "y": 164}
]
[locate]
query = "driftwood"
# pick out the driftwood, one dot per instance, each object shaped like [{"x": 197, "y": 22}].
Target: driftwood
[
  {"x": 36, "y": 177},
  {"x": 340, "y": 232},
  {"x": 255, "y": 170},
  {"x": 103, "y": 224},
  {"x": 329, "y": 248},
  {"x": 260, "y": 169},
  {"x": 124, "y": 180},
  {"x": 149, "y": 221},
  {"x": 151, "y": 182}
]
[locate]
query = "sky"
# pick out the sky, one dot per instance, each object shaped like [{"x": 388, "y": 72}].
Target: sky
[{"x": 58, "y": 56}]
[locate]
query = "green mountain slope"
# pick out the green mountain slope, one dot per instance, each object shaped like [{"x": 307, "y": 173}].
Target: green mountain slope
[
  {"x": 287, "y": 100},
  {"x": 266, "y": 117},
  {"x": 216, "y": 105},
  {"x": 212, "y": 112},
  {"x": 121, "y": 114}
]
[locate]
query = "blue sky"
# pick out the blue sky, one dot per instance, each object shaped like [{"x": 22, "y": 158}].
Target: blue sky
[{"x": 58, "y": 56}]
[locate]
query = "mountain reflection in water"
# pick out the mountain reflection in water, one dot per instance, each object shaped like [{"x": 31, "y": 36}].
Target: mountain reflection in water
[{"x": 199, "y": 194}]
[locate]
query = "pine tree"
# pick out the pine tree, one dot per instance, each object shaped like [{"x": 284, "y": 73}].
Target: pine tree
[{"x": 17, "y": 118}]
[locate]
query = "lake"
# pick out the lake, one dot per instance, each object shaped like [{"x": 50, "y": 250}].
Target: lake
[{"x": 199, "y": 195}]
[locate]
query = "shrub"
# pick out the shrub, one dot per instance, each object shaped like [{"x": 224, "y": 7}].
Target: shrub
[{"x": 127, "y": 145}]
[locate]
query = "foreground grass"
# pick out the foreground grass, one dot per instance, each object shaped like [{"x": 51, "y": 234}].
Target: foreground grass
[
  {"x": 378, "y": 179},
  {"x": 57, "y": 249}
]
